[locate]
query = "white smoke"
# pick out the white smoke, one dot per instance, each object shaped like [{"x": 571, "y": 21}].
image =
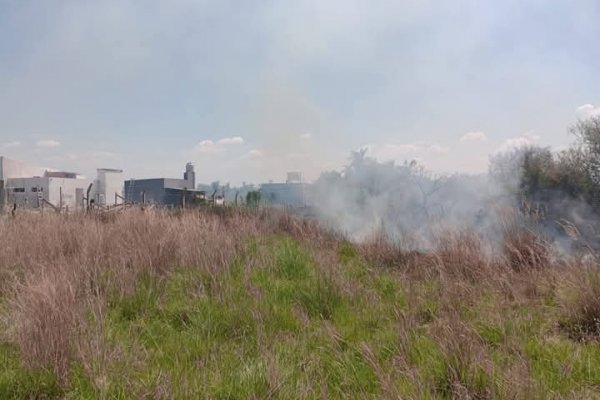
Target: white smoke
[
  {"x": 403, "y": 200},
  {"x": 409, "y": 204}
]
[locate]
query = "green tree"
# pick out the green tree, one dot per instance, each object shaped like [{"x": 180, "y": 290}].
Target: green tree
[
  {"x": 588, "y": 135},
  {"x": 253, "y": 198}
]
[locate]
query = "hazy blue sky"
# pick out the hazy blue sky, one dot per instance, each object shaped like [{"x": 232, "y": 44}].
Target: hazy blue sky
[{"x": 250, "y": 89}]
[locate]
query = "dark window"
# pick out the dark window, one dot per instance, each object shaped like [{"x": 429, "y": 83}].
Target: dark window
[
  {"x": 36, "y": 189},
  {"x": 19, "y": 190}
]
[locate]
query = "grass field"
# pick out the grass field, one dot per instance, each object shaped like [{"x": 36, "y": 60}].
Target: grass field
[{"x": 258, "y": 305}]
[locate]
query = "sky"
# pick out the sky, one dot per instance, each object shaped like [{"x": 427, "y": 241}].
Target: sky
[{"x": 250, "y": 90}]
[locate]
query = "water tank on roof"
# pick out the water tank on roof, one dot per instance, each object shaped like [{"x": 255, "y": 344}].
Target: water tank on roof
[{"x": 294, "y": 177}]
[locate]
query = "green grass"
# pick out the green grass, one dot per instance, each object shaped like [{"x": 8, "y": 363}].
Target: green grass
[
  {"x": 293, "y": 328},
  {"x": 19, "y": 383}
]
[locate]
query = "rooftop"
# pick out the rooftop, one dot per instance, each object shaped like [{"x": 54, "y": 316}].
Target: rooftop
[{"x": 109, "y": 170}]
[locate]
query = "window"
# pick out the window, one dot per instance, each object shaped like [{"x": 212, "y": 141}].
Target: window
[
  {"x": 36, "y": 189},
  {"x": 19, "y": 190}
]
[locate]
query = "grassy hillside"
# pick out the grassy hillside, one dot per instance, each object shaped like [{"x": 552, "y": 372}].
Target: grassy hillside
[{"x": 236, "y": 305}]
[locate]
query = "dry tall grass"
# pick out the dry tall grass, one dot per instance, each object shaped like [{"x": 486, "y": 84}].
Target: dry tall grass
[
  {"x": 55, "y": 267},
  {"x": 58, "y": 273}
]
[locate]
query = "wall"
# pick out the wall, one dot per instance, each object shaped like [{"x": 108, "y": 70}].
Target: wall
[
  {"x": 190, "y": 176},
  {"x": 284, "y": 194},
  {"x": 173, "y": 183},
  {"x": 24, "y": 192},
  {"x": 106, "y": 185},
  {"x": 69, "y": 192},
  {"x": 16, "y": 169},
  {"x": 154, "y": 190},
  {"x": 175, "y": 197}
]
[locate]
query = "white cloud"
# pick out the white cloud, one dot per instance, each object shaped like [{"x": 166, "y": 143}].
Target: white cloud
[
  {"x": 207, "y": 147},
  {"x": 12, "y": 144},
  {"x": 306, "y": 136},
  {"x": 476, "y": 136},
  {"x": 254, "y": 154},
  {"x": 527, "y": 139},
  {"x": 587, "y": 111},
  {"x": 231, "y": 140},
  {"x": 47, "y": 143},
  {"x": 206, "y": 143}
]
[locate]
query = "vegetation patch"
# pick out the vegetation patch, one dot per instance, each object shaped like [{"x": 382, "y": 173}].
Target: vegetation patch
[{"x": 249, "y": 310}]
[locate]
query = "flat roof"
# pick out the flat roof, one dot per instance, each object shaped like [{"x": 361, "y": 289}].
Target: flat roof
[
  {"x": 109, "y": 170},
  {"x": 61, "y": 174}
]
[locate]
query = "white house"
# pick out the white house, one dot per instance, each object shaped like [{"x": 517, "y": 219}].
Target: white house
[{"x": 62, "y": 190}]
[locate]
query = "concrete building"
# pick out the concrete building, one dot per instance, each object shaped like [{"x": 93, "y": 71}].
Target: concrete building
[
  {"x": 32, "y": 187},
  {"x": 61, "y": 190},
  {"x": 294, "y": 177},
  {"x": 165, "y": 191},
  {"x": 107, "y": 188},
  {"x": 14, "y": 169},
  {"x": 293, "y": 193}
]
